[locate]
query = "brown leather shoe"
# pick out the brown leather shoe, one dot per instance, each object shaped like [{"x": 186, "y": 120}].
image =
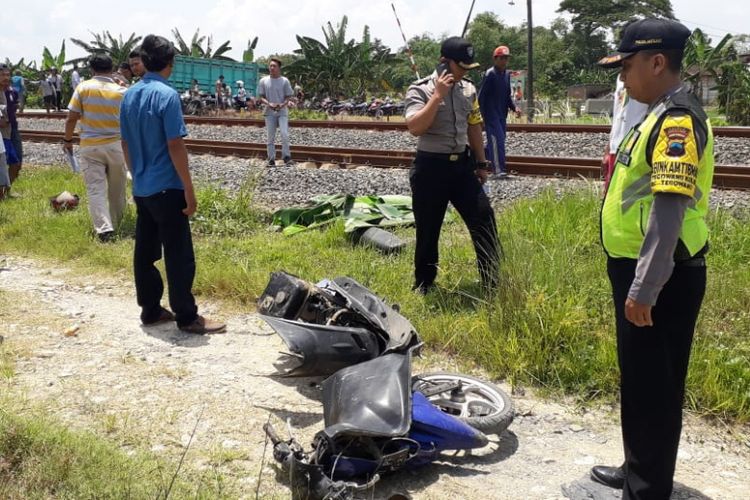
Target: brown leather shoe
[
  {"x": 201, "y": 326},
  {"x": 165, "y": 316}
]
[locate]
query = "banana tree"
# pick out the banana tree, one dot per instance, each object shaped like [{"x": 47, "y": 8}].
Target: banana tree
[
  {"x": 195, "y": 47},
  {"x": 117, "y": 48},
  {"x": 248, "y": 55},
  {"x": 53, "y": 61},
  {"x": 340, "y": 66},
  {"x": 28, "y": 70},
  {"x": 701, "y": 59}
]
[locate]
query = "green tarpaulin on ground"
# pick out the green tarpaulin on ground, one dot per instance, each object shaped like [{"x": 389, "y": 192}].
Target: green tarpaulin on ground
[{"x": 357, "y": 212}]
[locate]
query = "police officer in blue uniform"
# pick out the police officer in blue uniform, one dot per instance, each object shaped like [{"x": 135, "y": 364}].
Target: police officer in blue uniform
[{"x": 450, "y": 166}]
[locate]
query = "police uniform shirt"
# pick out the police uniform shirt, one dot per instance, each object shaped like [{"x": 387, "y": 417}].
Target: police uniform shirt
[{"x": 459, "y": 109}]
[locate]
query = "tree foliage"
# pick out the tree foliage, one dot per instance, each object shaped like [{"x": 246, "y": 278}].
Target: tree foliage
[
  {"x": 701, "y": 58},
  {"x": 117, "y": 48},
  {"x": 594, "y": 20},
  {"x": 734, "y": 92},
  {"x": 340, "y": 66},
  {"x": 28, "y": 70},
  {"x": 196, "y": 46},
  {"x": 557, "y": 65},
  {"x": 248, "y": 55},
  {"x": 50, "y": 60}
]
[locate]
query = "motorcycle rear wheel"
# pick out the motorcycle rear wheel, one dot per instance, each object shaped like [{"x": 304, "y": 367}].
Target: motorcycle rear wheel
[{"x": 478, "y": 403}]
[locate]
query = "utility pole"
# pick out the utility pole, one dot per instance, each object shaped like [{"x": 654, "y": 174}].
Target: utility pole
[{"x": 529, "y": 64}]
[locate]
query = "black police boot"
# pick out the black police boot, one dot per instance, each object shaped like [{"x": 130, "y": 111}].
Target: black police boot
[{"x": 614, "y": 477}]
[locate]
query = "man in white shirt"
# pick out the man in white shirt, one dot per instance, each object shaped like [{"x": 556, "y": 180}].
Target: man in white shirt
[
  {"x": 48, "y": 92},
  {"x": 626, "y": 114},
  {"x": 57, "y": 84},
  {"x": 75, "y": 78}
]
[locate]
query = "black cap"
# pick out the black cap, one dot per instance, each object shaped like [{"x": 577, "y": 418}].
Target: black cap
[
  {"x": 459, "y": 50},
  {"x": 647, "y": 34}
]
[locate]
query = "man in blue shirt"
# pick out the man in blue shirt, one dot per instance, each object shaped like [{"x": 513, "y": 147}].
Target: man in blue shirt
[
  {"x": 152, "y": 132},
  {"x": 495, "y": 100}
]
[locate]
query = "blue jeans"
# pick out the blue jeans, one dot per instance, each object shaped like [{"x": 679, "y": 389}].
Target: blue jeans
[{"x": 276, "y": 120}]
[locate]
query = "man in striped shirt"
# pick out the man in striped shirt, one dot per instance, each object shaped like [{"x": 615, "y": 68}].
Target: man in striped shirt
[{"x": 96, "y": 104}]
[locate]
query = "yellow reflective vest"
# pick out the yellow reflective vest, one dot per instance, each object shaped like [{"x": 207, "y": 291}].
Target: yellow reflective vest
[{"x": 662, "y": 154}]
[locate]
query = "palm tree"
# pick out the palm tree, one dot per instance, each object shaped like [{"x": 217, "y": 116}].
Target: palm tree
[
  {"x": 702, "y": 59},
  {"x": 117, "y": 48},
  {"x": 195, "y": 47}
]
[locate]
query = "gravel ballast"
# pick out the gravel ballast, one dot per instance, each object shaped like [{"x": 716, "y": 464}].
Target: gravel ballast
[
  {"x": 286, "y": 186},
  {"x": 727, "y": 150}
]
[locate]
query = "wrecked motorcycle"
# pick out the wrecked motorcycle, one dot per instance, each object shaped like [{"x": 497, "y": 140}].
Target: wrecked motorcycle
[{"x": 378, "y": 417}]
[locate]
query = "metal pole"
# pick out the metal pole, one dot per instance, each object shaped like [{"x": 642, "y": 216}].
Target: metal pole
[
  {"x": 408, "y": 49},
  {"x": 468, "y": 17},
  {"x": 529, "y": 64}
]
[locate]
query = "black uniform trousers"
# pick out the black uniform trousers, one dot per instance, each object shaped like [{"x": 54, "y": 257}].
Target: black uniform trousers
[
  {"x": 653, "y": 365},
  {"x": 161, "y": 224},
  {"x": 435, "y": 181}
]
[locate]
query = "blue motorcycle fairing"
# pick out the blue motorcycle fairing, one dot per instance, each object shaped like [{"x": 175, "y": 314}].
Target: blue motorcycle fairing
[
  {"x": 323, "y": 349},
  {"x": 369, "y": 399},
  {"x": 432, "y": 428}
]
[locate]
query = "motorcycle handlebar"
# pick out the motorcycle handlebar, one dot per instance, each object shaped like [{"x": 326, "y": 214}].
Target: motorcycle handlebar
[{"x": 271, "y": 433}]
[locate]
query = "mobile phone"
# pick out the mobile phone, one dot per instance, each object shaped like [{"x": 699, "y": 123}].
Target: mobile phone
[{"x": 444, "y": 66}]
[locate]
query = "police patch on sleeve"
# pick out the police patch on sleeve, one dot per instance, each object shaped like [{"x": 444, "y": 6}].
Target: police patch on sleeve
[
  {"x": 475, "y": 116},
  {"x": 675, "y": 157}
]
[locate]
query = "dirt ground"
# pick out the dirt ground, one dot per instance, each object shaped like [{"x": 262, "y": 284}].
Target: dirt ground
[{"x": 149, "y": 387}]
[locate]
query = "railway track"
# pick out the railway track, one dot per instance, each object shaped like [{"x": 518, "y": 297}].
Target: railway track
[
  {"x": 725, "y": 176},
  {"x": 743, "y": 132}
]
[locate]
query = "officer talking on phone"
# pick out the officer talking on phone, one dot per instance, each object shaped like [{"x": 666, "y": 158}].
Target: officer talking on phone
[{"x": 450, "y": 166}]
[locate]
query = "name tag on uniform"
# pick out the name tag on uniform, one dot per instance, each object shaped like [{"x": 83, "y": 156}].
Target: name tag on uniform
[{"x": 623, "y": 155}]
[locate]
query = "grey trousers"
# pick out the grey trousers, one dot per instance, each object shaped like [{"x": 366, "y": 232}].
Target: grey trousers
[{"x": 276, "y": 120}]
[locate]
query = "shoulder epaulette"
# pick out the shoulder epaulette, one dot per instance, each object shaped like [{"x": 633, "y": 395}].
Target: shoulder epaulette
[
  {"x": 687, "y": 100},
  {"x": 422, "y": 81},
  {"x": 468, "y": 80}
]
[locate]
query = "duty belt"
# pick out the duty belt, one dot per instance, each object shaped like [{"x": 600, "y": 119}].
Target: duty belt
[
  {"x": 443, "y": 156},
  {"x": 694, "y": 262}
]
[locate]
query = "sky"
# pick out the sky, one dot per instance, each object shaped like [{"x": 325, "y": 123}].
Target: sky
[{"x": 33, "y": 24}]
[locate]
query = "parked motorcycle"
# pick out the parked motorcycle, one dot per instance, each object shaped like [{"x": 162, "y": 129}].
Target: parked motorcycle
[{"x": 378, "y": 417}]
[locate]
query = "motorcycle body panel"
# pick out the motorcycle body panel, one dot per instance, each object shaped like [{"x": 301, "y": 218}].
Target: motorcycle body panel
[
  {"x": 320, "y": 349},
  {"x": 431, "y": 427},
  {"x": 399, "y": 333},
  {"x": 369, "y": 399},
  {"x": 284, "y": 297}
]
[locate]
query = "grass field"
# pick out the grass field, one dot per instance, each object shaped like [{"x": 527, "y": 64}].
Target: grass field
[{"x": 550, "y": 325}]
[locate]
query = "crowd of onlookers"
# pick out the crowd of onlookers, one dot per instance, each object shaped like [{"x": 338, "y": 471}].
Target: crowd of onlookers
[
  {"x": 11, "y": 150},
  {"x": 51, "y": 83}
]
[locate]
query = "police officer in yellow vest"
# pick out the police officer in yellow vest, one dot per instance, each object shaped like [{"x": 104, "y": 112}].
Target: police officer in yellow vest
[{"x": 654, "y": 233}]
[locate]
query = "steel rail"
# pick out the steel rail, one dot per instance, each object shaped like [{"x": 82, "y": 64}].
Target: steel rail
[
  {"x": 741, "y": 132},
  {"x": 725, "y": 176}
]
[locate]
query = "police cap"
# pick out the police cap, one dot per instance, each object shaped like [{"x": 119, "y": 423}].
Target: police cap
[
  {"x": 459, "y": 50},
  {"x": 647, "y": 34}
]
